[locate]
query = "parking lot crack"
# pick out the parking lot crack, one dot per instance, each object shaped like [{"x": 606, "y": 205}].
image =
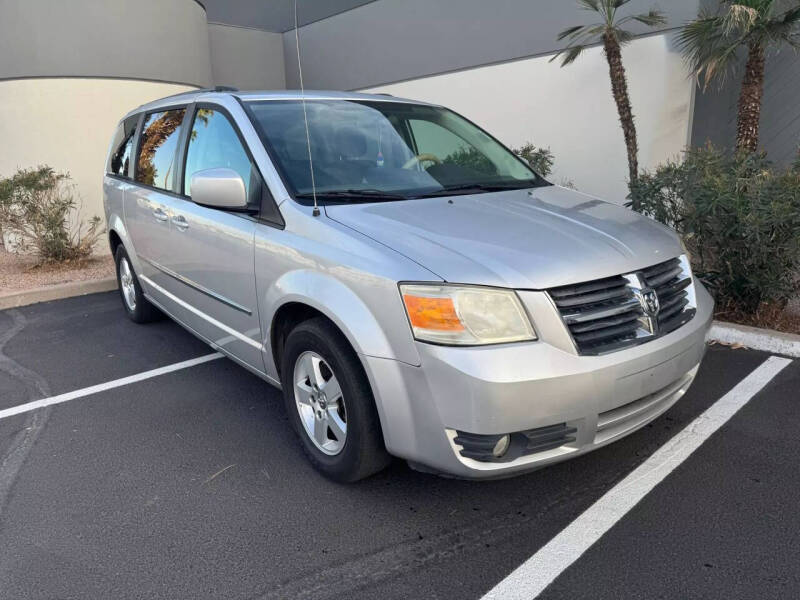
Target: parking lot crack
[{"x": 36, "y": 387}]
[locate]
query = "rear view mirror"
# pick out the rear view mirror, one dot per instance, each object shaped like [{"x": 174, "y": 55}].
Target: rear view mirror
[{"x": 219, "y": 188}]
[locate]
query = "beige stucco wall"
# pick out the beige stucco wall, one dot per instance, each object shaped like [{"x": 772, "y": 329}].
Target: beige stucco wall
[
  {"x": 67, "y": 124},
  {"x": 571, "y": 110}
]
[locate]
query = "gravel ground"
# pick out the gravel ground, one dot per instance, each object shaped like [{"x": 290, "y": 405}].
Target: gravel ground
[{"x": 19, "y": 273}]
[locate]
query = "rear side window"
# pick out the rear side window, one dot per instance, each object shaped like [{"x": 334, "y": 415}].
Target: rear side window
[
  {"x": 159, "y": 141},
  {"x": 213, "y": 144},
  {"x": 121, "y": 147}
]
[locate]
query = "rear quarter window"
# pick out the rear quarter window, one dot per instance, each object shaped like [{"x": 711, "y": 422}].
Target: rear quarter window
[
  {"x": 157, "y": 148},
  {"x": 119, "y": 158}
]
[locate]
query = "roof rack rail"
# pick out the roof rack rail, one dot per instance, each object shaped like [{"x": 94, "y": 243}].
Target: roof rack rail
[{"x": 218, "y": 88}]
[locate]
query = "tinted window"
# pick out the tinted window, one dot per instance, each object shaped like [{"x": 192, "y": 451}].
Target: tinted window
[
  {"x": 214, "y": 144},
  {"x": 156, "y": 164},
  {"x": 122, "y": 146}
]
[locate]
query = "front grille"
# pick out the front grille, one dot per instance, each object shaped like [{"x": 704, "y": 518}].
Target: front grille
[
  {"x": 606, "y": 315},
  {"x": 479, "y": 446},
  {"x": 671, "y": 283}
]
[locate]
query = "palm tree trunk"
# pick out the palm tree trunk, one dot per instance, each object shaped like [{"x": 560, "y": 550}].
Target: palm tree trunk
[
  {"x": 619, "y": 87},
  {"x": 750, "y": 100}
]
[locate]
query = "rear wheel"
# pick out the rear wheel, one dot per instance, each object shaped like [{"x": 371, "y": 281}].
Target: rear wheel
[
  {"x": 330, "y": 403},
  {"x": 137, "y": 307}
]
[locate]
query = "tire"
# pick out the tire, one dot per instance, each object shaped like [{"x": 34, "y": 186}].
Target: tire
[
  {"x": 137, "y": 307},
  {"x": 317, "y": 346}
]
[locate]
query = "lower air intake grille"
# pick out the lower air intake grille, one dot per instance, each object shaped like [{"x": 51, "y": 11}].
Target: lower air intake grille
[
  {"x": 610, "y": 314},
  {"x": 522, "y": 443}
]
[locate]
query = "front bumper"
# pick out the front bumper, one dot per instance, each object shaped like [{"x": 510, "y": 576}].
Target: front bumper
[{"x": 518, "y": 387}]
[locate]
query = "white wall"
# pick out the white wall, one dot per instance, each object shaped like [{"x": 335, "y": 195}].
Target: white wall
[
  {"x": 67, "y": 124},
  {"x": 249, "y": 59},
  {"x": 571, "y": 110}
]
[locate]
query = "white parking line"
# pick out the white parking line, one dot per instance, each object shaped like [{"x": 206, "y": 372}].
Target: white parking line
[
  {"x": 101, "y": 387},
  {"x": 534, "y": 575}
]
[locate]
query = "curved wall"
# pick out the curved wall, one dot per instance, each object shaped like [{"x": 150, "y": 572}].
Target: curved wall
[
  {"x": 160, "y": 40},
  {"x": 67, "y": 124}
]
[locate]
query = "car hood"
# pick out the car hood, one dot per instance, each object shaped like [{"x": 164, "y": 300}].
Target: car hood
[{"x": 523, "y": 239}]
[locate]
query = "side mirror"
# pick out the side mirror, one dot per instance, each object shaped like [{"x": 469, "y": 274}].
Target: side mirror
[{"x": 219, "y": 188}]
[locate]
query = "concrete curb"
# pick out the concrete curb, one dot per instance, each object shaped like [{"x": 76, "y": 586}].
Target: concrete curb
[
  {"x": 767, "y": 340},
  {"x": 57, "y": 292}
]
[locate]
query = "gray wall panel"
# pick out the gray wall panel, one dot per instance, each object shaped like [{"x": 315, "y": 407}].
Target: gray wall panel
[
  {"x": 249, "y": 59},
  {"x": 780, "y": 112},
  {"x": 274, "y": 15},
  {"x": 716, "y": 110},
  {"x": 162, "y": 40},
  {"x": 390, "y": 40}
]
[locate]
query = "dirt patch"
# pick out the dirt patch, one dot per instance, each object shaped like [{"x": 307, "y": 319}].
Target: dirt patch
[
  {"x": 19, "y": 273},
  {"x": 769, "y": 316}
]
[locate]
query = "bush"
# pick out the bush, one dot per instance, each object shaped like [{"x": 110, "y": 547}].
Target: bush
[
  {"x": 38, "y": 210},
  {"x": 739, "y": 217},
  {"x": 540, "y": 159}
]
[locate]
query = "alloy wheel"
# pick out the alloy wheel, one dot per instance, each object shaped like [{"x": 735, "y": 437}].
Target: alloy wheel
[{"x": 320, "y": 404}]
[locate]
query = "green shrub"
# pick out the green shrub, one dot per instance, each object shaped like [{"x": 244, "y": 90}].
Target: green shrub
[
  {"x": 739, "y": 217},
  {"x": 540, "y": 159},
  {"x": 39, "y": 212}
]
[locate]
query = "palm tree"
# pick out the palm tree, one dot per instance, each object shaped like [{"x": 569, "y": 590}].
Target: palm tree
[
  {"x": 711, "y": 43},
  {"x": 610, "y": 33}
]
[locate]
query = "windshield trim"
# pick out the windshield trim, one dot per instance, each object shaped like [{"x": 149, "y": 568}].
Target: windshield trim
[{"x": 246, "y": 103}]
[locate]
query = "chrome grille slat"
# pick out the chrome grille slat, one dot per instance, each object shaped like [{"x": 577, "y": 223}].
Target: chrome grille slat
[
  {"x": 602, "y": 312},
  {"x": 631, "y": 315},
  {"x": 598, "y": 297},
  {"x": 605, "y": 315},
  {"x": 662, "y": 278}
]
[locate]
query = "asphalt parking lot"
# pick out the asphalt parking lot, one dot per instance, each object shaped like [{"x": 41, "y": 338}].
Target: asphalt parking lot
[{"x": 190, "y": 484}]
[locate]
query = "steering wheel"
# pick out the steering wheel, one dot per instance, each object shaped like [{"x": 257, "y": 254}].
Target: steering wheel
[{"x": 420, "y": 158}]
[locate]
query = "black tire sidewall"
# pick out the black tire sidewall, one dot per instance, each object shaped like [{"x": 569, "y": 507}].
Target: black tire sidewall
[
  {"x": 364, "y": 442},
  {"x": 140, "y": 314}
]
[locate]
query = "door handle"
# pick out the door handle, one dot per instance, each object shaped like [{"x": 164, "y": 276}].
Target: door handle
[
  {"x": 159, "y": 214},
  {"x": 180, "y": 222}
]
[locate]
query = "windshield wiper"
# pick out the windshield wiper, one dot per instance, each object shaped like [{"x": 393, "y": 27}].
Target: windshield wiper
[
  {"x": 353, "y": 194},
  {"x": 452, "y": 190}
]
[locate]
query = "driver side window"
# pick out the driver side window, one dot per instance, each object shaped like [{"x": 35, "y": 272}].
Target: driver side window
[{"x": 213, "y": 144}]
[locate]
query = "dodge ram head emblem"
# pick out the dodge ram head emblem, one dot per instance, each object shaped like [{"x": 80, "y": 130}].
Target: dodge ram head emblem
[{"x": 649, "y": 301}]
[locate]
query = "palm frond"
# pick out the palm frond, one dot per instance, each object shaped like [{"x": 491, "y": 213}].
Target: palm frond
[
  {"x": 590, "y": 5},
  {"x": 651, "y": 19},
  {"x": 570, "y": 54},
  {"x": 784, "y": 28},
  {"x": 791, "y": 16},
  {"x": 571, "y": 32},
  {"x": 623, "y": 36},
  {"x": 740, "y": 18},
  {"x": 708, "y": 50}
]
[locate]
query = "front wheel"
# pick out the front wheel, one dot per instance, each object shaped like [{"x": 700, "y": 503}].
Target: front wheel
[{"x": 330, "y": 403}]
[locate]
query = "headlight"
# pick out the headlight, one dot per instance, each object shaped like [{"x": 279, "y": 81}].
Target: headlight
[{"x": 465, "y": 315}]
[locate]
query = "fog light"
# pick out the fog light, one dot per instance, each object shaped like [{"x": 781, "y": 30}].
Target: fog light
[{"x": 501, "y": 446}]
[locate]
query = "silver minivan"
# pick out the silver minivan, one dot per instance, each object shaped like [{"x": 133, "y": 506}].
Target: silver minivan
[{"x": 414, "y": 287}]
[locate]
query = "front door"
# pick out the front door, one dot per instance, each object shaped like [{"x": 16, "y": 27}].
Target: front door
[{"x": 210, "y": 259}]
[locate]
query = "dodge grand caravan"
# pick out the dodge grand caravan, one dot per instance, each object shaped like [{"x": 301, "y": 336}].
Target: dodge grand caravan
[{"x": 414, "y": 287}]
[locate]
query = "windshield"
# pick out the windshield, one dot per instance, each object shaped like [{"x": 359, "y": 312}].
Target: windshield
[{"x": 378, "y": 150}]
